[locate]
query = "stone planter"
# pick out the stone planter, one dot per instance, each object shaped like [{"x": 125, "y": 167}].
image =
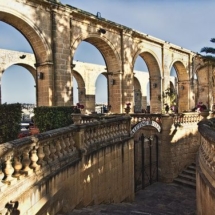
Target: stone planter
[
  {"x": 127, "y": 110},
  {"x": 77, "y": 117},
  {"x": 204, "y": 114}
]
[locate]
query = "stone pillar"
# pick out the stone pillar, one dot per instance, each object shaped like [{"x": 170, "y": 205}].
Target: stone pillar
[
  {"x": 155, "y": 94},
  {"x": 90, "y": 103},
  {"x": 183, "y": 93},
  {"x": 166, "y": 72},
  {"x": 81, "y": 96},
  {"x": 44, "y": 85},
  {"x": 137, "y": 101},
  {"x": 165, "y": 165},
  {"x": 115, "y": 92},
  {"x": 144, "y": 102},
  {"x": 61, "y": 77}
]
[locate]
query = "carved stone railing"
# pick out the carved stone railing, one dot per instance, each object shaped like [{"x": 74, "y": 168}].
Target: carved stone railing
[
  {"x": 42, "y": 155},
  {"x": 186, "y": 118},
  {"x": 84, "y": 119},
  {"x": 206, "y": 168},
  {"x": 99, "y": 136},
  {"x": 138, "y": 117}
]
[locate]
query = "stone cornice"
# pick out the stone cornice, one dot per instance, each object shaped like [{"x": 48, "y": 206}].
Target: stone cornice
[{"x": 207, "y": 129}]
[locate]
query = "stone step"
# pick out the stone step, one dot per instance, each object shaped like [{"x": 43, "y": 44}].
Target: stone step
[
  {"x": 189, "y": 172},
  {"x": 192, "y": 167},
  {"x": 185, "y": 182},
  {"x": 187, "y": 177}
]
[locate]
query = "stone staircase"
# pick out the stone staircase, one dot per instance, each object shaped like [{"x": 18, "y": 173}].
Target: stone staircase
[{"x": 187, "y": 177}]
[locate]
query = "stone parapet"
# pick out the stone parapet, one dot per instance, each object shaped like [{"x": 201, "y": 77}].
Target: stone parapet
[
  {"x": 69, "y": 167},
  {"x": 205, "y": 179}
]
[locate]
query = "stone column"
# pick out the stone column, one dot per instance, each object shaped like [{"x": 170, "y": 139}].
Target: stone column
[
  {"x": 115, "y": 92},
  {"x": 183, "y": 93},
  {"x": 61, "y": 77},
  {"x": 137, "y": 101},
  {"x": 44, "y": 84},
  {"x": 165, "y": 164},
  {"x": 166, "y": 72},
  {"x": 155, "y": 91}
]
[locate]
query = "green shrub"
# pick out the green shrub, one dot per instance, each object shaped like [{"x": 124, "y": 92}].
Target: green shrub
[
  {"x": 10, "y": 121},
  {"x": 49, "y": 118}
]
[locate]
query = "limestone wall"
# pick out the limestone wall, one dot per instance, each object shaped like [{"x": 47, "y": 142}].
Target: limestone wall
[
  {"x": 178, "y": 146},
  {"x": 178, "y": 140},
  {"x": 205, "y": 172},
  {"x": 74, "y": 166},
  {"x": 103, "y": 177}
]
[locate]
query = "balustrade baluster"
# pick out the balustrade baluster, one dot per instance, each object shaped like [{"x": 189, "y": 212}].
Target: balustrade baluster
[
  {"x": 114, "y": 131},
  {"x": 1, "y": 169},
  {"x": 72, "y": 144},
  {"x": 3, "y": 186},
  {"x": 59, "y": 149},
  {"x": 17, "y": 166},
  {"x": 34, "y": 158},
  {"x": 26, "y": 162},
  {"x": 108, "y": 132},
  {"x": 92, "y": 136},
  {"x": 53, "y": 149},
  {"x": 68, "y": 145},
  {"x": 101, "y": 134},
  {"x": 41, "y": 156},
  {"x": 8, "y": 170},
  {"x": 47, "y": 153},
  {"x": 64, "y": 147},
  {"x": 211, "y": 156},
  {"x": 86, "y": 139},
  {"x": 96, "y": 135},
  {"x": 104, "y": 134}
]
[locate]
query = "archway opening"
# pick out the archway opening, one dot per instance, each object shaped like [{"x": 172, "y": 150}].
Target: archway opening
[
  {"x": 148, "y": 75},
  {"x": 142, "y": 74},
  {"x": 17, "y": 82},
  {"x": 18, "y": 86},
  {"x": 90, "y": 63},
  {"x": 182, "y": 85}
]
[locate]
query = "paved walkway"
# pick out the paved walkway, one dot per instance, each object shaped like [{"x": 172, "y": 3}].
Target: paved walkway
[{"x": 157, "y": 199}]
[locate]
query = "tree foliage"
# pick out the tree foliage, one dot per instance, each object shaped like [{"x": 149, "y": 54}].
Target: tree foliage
[
  {"x": 210, "y": 51},
  {"x": 10, "y": 119}
]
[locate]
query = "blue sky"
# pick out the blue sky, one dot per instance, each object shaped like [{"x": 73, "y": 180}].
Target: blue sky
[{"x": 186, "y": 23}]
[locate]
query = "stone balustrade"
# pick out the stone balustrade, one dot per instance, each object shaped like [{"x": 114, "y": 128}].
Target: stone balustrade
[
  {"x": 178, "y": 119},
  {"x": 206, "y": 169},
  {"x": 138, "y": 117},
  {"x": 26, "y": 161},
  {"x": 186, "y": 118}
]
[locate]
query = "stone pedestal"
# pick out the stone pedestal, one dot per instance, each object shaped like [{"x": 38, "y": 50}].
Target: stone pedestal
[{"x": 77, "y": 117}]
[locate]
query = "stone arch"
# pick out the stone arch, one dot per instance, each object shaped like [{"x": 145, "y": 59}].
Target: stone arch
[
  {"x": 183, "y": 85},
  {"x": 30, "y": 31},
  {"x": 29, "y": 67},
  {"x": 106, "y": 48},
  {"x": 154, "y": 69},
  {"x": 112, "y": 61},
  {"x": 151, "y": 60},
  {"x": 182, "y": 73}
]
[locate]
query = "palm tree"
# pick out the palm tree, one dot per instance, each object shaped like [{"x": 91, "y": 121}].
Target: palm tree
[{"x": 209, "y": 50}]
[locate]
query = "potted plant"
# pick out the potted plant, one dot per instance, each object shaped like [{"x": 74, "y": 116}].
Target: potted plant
[{"x": 128, "y": 107}]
